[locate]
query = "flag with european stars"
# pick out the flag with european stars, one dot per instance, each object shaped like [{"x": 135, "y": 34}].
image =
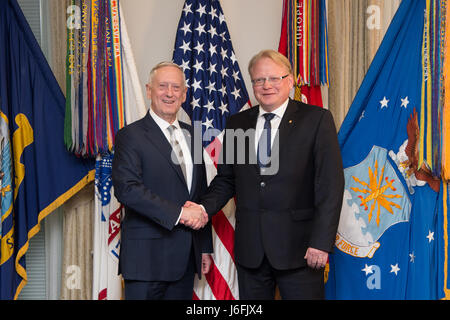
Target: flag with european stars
[
  {"x": 390, "y": 239},
  {"x": 216, "y": 91},
  {"x": 37, "y": 173}
]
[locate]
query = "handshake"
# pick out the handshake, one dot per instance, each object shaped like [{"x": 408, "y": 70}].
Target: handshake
[{"x": 193, "y": 216}]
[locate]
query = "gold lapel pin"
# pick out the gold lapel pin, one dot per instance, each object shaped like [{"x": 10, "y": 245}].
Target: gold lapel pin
[{"x": 290, "y": 121}]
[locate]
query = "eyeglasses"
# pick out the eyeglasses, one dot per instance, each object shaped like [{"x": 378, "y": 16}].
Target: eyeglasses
[{"x": 272, "y": 80}]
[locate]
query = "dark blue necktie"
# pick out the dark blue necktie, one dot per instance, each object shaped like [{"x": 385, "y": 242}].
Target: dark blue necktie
[{"x": 265, "y": 142}]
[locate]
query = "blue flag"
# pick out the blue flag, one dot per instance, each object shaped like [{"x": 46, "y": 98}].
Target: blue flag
[
  {"x": 390, "y": 237},
  {"x": 37, "y": 173}
]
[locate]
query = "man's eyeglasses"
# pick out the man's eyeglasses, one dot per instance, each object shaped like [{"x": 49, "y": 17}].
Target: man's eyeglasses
[{"x": 272, "y": 80}]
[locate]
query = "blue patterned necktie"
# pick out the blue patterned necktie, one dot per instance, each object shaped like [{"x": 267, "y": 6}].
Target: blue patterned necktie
[{"x": 265, "y": 142}]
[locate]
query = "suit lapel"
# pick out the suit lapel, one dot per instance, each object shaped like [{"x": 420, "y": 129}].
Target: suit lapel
[
  {"x": 287, "y": 124},
  {"x": 159, "y": 140},
  {"x": 253, "y": 118},
  {"x": 251, "y": 124}
]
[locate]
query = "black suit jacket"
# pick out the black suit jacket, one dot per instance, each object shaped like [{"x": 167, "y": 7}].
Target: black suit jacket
[
  {"x": 153, "y": 190},
  {"x": 282, "y": 214}
]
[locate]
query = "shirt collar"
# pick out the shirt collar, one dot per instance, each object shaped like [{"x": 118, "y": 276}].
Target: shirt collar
[
  {"x": 278, "y": 112},
  {"x": 163, "y": 124}
]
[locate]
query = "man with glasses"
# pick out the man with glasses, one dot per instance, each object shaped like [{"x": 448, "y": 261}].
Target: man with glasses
[{"x": 289, "y": 200}]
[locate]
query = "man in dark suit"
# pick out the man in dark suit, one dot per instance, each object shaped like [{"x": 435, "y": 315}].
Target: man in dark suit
[
  {"x": 288, "y": 187},
  {"x": 153, "y": 175}
]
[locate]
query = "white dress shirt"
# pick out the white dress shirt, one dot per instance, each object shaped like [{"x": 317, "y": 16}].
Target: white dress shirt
[
  {"x": 275, "y": 123},
  {"x": 164, "y": 125}
]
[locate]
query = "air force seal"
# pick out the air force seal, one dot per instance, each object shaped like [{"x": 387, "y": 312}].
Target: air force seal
[{"x": 374, "y": 200}]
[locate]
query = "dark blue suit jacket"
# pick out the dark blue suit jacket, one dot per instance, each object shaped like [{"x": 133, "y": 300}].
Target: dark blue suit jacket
[
  {"x": 297, "y": 206},
  {"x": 153, "y": 190}
]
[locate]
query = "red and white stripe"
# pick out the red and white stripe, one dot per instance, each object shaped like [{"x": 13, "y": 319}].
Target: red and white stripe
[{"x": 221, "y": 282}]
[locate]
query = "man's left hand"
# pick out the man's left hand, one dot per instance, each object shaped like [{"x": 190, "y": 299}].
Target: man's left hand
[
  {"x": 206, "y": 263},
  {"x": 316, "y": 259}
]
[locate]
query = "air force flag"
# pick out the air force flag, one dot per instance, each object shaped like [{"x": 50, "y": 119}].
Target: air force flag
[{"x": 390, "y": 237}]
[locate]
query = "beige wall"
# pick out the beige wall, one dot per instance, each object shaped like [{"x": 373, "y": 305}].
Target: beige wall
[{"x": 152, "y": 24}]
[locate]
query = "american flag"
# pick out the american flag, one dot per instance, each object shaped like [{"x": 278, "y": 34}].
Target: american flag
[{"x": 216, "y": 91}]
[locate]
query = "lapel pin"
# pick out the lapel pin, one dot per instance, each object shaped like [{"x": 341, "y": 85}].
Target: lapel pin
[{"x": 290, "y": 121}]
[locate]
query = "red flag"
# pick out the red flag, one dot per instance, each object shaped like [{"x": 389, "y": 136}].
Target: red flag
[
  {"x": 313, "y": 95},
  {"x": 300, "y": 43},
  {"x": 282, "y": 48}
]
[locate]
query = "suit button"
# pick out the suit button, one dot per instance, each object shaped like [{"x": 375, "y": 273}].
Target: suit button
[{"x": 263, "y": 184}]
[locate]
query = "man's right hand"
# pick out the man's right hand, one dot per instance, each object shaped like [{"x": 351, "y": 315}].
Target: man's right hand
[{"x": 193, "y": 216}]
